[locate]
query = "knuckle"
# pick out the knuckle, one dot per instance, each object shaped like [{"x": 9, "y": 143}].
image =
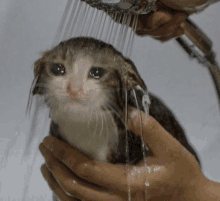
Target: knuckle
[
  {"x": 49, "y": 165},
  {"x": 82, "y": 170},
  {"x": 61, "y": 154}
]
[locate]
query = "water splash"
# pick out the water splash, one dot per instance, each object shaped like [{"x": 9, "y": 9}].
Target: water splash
[
  {"x": 80, "y": 19},
  {"x": 127, "y": 147}
]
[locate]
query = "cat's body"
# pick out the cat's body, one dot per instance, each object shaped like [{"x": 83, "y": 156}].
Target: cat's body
[
  {"x": 165, "y": 117},
  {"x": 87, "y": 85}
]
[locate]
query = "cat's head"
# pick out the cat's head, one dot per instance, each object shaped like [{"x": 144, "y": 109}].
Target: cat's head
[{"x": 84, "y": 73}]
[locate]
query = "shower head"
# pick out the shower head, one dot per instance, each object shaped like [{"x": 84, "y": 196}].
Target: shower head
[{"x": 123, "y": 6}]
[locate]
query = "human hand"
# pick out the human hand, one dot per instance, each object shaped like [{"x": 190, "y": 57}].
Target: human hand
[
  {"x": 172, "y": 173},
  {"x": 163, "y": 22}
]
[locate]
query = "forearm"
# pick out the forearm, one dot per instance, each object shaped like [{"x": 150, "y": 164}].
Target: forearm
[
  {"x": 190, "y": 6},
  {"x": 212, "y": 190}
]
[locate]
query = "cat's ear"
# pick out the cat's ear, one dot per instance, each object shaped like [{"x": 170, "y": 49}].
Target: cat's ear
[
  {"x": 136, "y": 90},
  {"x": 37, "y": 87},
  {"x": 131, "y": 77}
]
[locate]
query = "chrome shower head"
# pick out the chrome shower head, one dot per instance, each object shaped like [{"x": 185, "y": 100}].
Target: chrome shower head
[{"x": 123, "y": 6}]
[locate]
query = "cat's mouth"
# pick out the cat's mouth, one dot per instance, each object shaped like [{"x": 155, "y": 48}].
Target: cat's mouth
[
  {"x": 80, "y": 101},
  {"x": 77, "y": 96}
]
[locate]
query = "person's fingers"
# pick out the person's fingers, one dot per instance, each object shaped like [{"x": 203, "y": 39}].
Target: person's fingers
[
  {"x": 71, "y": 184},
  {"x": 102, "y": 174},
  {"x": 64, "y": 152},
  {"x": 170, "y": 26},
  {"x": 152, "y": 21},
  {"x": 160, "y": 142},
  {"x": 178, "y": 32},
  {"x": 105, "y": 174},
  {"x": 80, "y": 164},
  {"x": 167, "y": 28},
  {"x": 121, "y": 178},
  {"x": 54, "y": 186}
]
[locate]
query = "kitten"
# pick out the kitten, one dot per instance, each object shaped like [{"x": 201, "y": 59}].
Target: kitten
[{"x": 88, "y": 86}]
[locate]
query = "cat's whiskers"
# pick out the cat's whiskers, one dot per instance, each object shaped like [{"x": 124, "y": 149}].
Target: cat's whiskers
[
  {"x": 106, "y": 124},
  {"x": 49, "y": 99},
  {"x": 58, "y": 90},
  {"x": 112, "y": 119},
  {"x": 90, "y": 115},
  {"x": 102, "y": 123},
  {"x": 115, "y": 112},
  {"x": 41, "y": 85},
  {"x": 53, "y": 105},
  {"x": 52, "y": 102},
  {"x": 96, "y": 122},
  {"x": 30, "y": 98}
]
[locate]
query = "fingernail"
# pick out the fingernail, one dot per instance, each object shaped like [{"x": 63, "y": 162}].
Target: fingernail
[
  {"x": 48, "y": 142},
  {"x": 45, "y": 171}
]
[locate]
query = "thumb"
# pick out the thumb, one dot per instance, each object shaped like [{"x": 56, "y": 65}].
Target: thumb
[{"x": 160, "y": 142}]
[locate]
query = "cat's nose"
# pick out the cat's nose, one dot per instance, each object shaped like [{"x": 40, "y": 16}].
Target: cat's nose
[{"x": 74, "y": 91}]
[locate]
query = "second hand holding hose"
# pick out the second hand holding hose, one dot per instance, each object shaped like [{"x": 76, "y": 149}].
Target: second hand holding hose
[{"x": 164, "y": 23}]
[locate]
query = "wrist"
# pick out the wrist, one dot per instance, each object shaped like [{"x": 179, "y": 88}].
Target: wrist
[
  {"x": 197, "y": 8},
  {"x": 212, "y": 190},
  {"x": 204, "y": 190}
]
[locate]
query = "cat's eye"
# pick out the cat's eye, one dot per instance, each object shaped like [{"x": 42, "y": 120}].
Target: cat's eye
[
  {"x": 57, "y": 69},
  {"x": 96, "y": 72}
]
